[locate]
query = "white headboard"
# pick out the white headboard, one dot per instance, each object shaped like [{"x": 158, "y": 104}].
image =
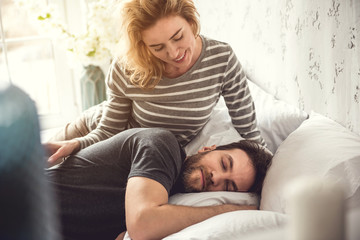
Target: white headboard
[{"x": 304, "y": 52}]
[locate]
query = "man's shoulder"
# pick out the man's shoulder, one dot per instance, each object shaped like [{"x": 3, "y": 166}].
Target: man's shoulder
[
  {"x": 155, "y": 135},
  {"x": 157, "y": 155}
]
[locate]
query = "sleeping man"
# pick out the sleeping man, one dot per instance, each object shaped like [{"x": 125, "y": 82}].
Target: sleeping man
[{"x": 123, "y": 184}]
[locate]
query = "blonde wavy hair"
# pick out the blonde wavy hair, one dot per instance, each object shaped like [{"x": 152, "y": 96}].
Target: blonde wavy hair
[{"x": 143, "y": 68}]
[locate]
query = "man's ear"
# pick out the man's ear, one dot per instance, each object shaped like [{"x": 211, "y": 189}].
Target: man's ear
[{"x": 206, "y": 149}]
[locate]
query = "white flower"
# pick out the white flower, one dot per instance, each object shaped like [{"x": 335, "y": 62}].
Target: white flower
[{"x": 94, "y": 46}]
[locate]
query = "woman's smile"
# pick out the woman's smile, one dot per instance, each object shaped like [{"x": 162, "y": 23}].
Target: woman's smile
[{"x": 181, "y": 58}]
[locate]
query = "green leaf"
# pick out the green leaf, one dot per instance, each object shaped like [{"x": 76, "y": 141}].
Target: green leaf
[
  {"x": 47, "y": 16},
  {"x": 91, "y": 54}
]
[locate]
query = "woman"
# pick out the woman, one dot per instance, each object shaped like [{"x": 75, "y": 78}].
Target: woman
[{"x": 169, "y": 77}]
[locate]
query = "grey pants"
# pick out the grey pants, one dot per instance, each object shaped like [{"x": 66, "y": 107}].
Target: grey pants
[
  {"x": 90, "y": 188},
  {"x": 91, "y": 184}
]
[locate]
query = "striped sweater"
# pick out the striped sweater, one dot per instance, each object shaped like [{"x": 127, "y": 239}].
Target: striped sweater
[{"x": 182, "y": 105}]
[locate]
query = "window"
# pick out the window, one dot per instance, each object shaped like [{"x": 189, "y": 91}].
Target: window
[{"x": 33, "y": 62}]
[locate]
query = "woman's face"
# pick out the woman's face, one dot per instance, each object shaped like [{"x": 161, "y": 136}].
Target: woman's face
[{"x": 172, "y": 41}]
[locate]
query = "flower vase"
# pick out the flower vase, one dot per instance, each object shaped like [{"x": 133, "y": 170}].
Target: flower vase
[{"x": 92, "y": 86}]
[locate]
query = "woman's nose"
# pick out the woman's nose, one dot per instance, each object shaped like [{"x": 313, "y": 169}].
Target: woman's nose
[{"x": 173, "y": 51}]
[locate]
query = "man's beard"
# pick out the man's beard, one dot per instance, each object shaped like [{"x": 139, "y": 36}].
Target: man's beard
[
  {"x": 189, "y": 182},
  {"x": 191, "y": 165}
]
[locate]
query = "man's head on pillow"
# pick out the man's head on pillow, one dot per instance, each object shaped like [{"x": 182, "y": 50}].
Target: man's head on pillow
[{"x": 239, "y": 167}]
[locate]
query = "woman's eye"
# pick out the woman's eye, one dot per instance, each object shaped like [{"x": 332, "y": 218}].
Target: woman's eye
[
  {"x": 178, "y": 39},
  {"x": 158, "y": 49}
]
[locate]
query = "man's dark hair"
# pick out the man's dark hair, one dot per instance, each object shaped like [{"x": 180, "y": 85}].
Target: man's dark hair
[{"x": 260, "y": 158}]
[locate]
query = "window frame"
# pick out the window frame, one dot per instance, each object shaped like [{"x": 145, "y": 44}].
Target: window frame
[{"x": 68, "y": 89}]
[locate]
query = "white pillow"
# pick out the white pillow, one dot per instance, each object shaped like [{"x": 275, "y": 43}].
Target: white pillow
[
  {"x": 320, "y": 147},
  {"x": 232, "y": 225},
  {"x": 218, "y": 130},
  {"x": 214, "y": 198},
  {"x": 276, "y": 119}
]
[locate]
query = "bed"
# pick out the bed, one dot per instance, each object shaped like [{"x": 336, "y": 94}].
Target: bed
[
  {"x": 306, "y": 55},
  {"x": 303, "y": 144}
]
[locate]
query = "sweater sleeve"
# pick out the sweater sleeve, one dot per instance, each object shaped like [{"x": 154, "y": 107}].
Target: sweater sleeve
[
  {"x": 116, "y": 111},
  {"x": 239, "y": 101}
]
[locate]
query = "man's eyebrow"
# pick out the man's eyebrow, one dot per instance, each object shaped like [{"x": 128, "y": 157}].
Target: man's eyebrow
[
  {"x": 155, "y": 45},
  {"x": 234, "y": 186},
  {"x": 231, "y": 162}
]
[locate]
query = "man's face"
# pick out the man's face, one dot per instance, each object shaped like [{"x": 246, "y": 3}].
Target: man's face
[{"x": 219, "y": 170}]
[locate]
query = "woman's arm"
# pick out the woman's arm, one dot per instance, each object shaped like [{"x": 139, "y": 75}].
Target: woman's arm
[
  {"x": 116, "y": 111},
  {"x": 149, "y": 216},
  {"x": 239, "y": 101}
]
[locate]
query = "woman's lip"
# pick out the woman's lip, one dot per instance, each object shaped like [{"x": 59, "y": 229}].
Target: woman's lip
[{"x": 180, "y": 58}]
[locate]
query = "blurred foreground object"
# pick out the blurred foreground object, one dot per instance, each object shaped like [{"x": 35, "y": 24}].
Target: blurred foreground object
[
  {"x": 27, "y": 205},
  {"x": 317, "y": 209}
]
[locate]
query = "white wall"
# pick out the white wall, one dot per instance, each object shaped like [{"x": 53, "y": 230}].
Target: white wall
[{"x": 304, "y": 52}]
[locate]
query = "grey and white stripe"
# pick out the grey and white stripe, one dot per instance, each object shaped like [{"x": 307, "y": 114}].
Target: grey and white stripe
[{"x": 182, "y": 105}]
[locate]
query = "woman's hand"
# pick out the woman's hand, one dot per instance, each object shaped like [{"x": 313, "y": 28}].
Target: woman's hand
[{"x": 59, "y": 150}]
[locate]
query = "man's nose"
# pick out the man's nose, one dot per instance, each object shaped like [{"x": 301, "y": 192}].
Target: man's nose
[{"x": 216, "y": 179}]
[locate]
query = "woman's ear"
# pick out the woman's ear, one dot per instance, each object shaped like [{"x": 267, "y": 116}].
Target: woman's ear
[{"x": 206, "y": 149}]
